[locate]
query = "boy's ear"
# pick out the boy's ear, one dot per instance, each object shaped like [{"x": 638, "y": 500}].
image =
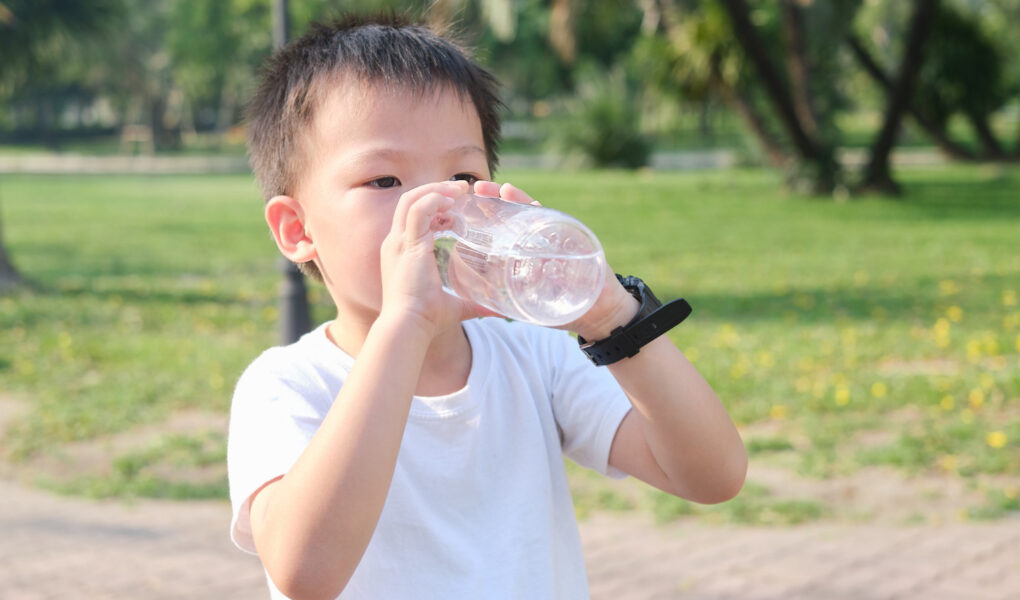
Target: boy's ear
[{"x": 286, "y": 219}]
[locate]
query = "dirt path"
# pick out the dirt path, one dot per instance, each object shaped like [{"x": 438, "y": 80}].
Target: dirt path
[{"x": 58, "y": 547}]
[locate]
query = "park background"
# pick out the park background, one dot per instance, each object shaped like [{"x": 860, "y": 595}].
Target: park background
[{"x": 832, "y": 185}]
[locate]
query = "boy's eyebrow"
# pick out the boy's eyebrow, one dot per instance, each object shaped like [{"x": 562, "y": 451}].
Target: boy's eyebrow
[
  {"x": 394, "y": 154},
  {"x": 466, "y": 149}
]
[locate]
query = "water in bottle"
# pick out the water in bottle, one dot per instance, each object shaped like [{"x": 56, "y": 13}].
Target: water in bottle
[{"x": 526, "y": 262}]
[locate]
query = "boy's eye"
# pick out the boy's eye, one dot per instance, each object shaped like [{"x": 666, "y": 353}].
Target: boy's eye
[
  {"x": 468, "y": 177},
  {"x": 384, "y": 182}
]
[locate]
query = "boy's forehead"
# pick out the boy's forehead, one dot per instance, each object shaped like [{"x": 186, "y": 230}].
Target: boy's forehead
[{"x": 349, "y": 107}]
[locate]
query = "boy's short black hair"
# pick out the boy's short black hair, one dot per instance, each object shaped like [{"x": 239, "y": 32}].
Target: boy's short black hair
[{"x": 387, "y": 49}]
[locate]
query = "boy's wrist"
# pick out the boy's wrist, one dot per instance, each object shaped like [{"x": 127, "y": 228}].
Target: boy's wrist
[
  {"x": 409, "y": 327},
  {"x": 624, "y": 308}
]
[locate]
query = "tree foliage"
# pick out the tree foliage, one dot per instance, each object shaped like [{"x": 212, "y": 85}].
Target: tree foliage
[{"x": 789, "y": 70}]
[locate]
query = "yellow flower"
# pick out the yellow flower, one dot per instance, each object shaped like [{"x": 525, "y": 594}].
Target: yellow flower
[
  {"x": 948, "y": 462},
  {"x": 842, "y": 396},
  {"x": 948, "y": 287},
  {"x": 973, "y": 350},
  {"x": 1018, "y": 343},
  {"x": 947, "y": 403},
  {"x": 1008, "y": 298},
  {"x": 976, "y": 398},
  {"x": 996, "y": 439},
  {"x": 955, "y": 314},
  {"x": 766, "y": 359},
  {"x": 942, "y": 333},
  {"x": 986, "y": 381},
  {"x": 1011, "y": 492},
  {"x": 778, "y": 412},
  {"x": 727, "y": 336},
  {"x": 879, "y": 389}
]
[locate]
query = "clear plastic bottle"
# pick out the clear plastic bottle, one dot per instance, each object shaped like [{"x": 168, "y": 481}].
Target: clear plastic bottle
[{"x": 526, "y": 262}]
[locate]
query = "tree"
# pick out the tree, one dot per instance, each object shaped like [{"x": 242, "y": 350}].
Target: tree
[
  {"x": 964, "y": 72},
  {"x": 691, "y": 56},
  {"x": 30, "y": 31},
  {"x": 790, "y": 93},
  {"x": 877, "y": 175}
]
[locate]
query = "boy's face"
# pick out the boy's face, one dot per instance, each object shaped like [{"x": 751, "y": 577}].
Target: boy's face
[{"x": 368, "y": 145}]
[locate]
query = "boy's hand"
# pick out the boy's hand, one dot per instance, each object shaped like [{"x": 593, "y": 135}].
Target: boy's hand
[
  {"x": 615, "y": 306},
  {"x": 411, "y": 287}
]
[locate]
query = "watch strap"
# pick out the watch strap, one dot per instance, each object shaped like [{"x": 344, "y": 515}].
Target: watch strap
[{"x": 651, "y": 321}]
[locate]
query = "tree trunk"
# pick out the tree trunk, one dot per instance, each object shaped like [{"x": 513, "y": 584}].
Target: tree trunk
[
  {"x": 989, "y": 144},
  {"x": 797, "y": 65},
  {"x": 934, "y": 130},
  {"x": 877, "y": 175},
  {"x": 810, "y": 151},
  {"x": 9, "y": 276},
  {"x": 561, "y": 30},
  {"x": 739, "y": 102},
  {"x": 1016, "y": 147}
]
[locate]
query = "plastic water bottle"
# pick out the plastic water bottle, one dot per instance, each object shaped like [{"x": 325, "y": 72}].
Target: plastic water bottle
[{"x": 529, "y": 263}]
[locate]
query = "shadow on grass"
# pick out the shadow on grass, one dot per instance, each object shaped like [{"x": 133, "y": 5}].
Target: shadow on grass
[
  {"x": 129, "y": 295},
  {"x": 914, "y": 300},
  {"x": 996, "y": 197}
]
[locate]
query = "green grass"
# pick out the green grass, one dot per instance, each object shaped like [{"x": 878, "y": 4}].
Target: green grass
[{"x": 817, "y": 322}]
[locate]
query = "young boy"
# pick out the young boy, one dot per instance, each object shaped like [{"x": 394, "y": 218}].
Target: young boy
[{"x": 407, "y": 449}]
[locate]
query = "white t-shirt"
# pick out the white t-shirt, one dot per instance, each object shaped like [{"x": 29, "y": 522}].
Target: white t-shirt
[{"x": 479, "y": 505}]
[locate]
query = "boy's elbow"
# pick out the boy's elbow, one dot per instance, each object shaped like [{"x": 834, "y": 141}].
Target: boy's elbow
[
  {"x": 299, "y": 586},
  {"x": 733, "y": 481},
  {"x": 726, "y": 482},
  {"x": 301, "y": 581}
]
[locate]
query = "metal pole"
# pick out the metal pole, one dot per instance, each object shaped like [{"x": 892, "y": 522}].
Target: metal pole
[{"x": 294, "y": 319}]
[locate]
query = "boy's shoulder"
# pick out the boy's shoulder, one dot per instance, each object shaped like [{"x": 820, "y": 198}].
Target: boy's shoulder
[{"x": 308, "y": 358}]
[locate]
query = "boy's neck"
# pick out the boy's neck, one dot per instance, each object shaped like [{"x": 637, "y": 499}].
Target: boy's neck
[{"x": 447, "y": 361}]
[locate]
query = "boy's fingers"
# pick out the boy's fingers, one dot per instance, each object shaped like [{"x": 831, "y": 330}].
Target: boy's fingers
[
  {"x": 514, "y": 194},
  {"x": 421, "y": 214},
  {"x": 487, "y": 188},
  {"x": 451, "y": 189}
]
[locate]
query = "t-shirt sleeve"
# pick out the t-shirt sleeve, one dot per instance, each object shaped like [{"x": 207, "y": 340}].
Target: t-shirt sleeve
[
  {"x": 588, "y": 404},
  {"x": 272, "y": 420}
]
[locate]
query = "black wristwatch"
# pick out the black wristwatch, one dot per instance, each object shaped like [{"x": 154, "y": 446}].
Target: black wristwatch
[{"x": 652, "y": 320}]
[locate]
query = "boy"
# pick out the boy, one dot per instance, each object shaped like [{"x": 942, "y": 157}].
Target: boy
[{"x": 408, "y": 449}]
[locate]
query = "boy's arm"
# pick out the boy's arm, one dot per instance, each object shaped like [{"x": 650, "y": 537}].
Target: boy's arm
[
  {"x": 312, "y": 526},
  {"x": 678, "y": 437}
]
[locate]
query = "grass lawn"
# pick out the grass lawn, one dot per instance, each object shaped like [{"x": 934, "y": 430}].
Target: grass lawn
[{"x": 843, "y": 337}]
